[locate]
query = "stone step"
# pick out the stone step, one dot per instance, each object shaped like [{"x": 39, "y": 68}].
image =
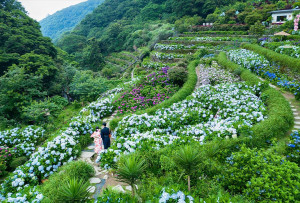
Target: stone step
[
  {"x": 87, "y": 154},
  {"x": 295, "y": 114},
  {"x": 297, "y": 122},
  {"x": 119, "y": 188},
  {"x": 297, "y": 118},
  {"x": 92, "y": 189},
  {"x": 95, "y": 180},
  {"x": 295, "y": 110},
  {"x": 297, "y": 127}
]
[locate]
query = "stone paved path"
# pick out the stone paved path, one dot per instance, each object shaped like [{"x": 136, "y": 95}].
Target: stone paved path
[{"x": 102, "y": 178}]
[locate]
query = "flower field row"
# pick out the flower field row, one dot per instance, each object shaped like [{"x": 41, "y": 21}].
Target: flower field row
[
  {"x": 293, "y": 51},
  {"x": 62, "y": 149},
  {"x": 211, "y": 39},
  {"x": 262, "y": 67},
  {"x": 218, "y": 112},
  {"x": 152, "y": 90},
  {"x": 147, "y": 63},
  {"x": 162, "y": 47},
  {"x": 166, "y": 56}
]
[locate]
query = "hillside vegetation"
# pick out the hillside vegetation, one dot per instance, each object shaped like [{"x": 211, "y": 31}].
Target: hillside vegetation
[{"x": 66, "y": 19}]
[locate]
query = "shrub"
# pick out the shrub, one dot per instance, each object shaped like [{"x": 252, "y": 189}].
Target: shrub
[
  {"x": 51, "y": 188},
  {"x": 3, "y": 167},
  {"x": 261, "y": 176},
  {"x": 281, "y": 59},
  {"x": 110, "y": 196},
  {"x": 17, "y": 162},
  {"x": 177, "y": 75}
]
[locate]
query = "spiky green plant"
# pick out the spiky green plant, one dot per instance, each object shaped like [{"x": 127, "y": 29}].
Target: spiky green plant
[
  {"x": 74, "y": 190},
  {"x": 188, "y": 158},
  {"x": 130, "y": 169}
]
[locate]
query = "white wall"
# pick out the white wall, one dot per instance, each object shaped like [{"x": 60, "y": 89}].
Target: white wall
[{"x": 288, "y": 15}]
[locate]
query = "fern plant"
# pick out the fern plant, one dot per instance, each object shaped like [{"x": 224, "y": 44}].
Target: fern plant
[
  {"x": 75, "y": 190},
  {"x": 188, "y": 159},
  {"x": 130, "y": 169}
]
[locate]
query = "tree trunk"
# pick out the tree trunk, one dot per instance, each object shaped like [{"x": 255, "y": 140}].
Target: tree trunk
[
  {"x": 189, "y": 183},
  {"x": 133, "y": 190}
]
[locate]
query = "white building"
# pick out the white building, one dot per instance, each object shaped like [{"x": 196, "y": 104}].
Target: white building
[{"x": 281, "y": 16}]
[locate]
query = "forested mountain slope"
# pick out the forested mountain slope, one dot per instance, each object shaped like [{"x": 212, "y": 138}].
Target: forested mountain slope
[
  {"x": 66, "y": 19},
  {"x": 119, "y": 24}
]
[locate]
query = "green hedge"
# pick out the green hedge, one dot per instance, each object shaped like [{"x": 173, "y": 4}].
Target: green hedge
[
  {"x": 185, "y": 91},
  {"x": 280, "y": 117},
  {"x": 281, "y": 59}
]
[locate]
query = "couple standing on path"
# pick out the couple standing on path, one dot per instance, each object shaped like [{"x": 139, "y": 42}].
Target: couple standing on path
[{"x": 101, "y": 137}]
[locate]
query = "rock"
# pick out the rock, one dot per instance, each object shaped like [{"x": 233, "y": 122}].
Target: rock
[
  {"x": 119, "y": 188},
  {"x": 128, "y": 188},
  {"x": 87, "y": 154},
  {"x": 95, "y": 180},
  {"x": 91, "y": 189},
  {"x": 105, "y": 177}
]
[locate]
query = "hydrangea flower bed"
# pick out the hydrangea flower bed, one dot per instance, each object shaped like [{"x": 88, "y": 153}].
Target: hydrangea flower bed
[
  {"x": 57, "y": 152},
  {"x": 223, "y": 111},
  {"x": 293, "y": 51},
  {"x": 294, "y": 147},
  {"x": 172, "y": 196},
  {"x": 147, "y": 63},
  {"x": 152, "y": 90},
  {"x": 214, "y": 75},
  {"x": 166, "y": 56},
  {"x": 22, "y": 142},
  {"x": 171, "y": 47},
  {"x": 211, "y": 39},
  {"x": 262, "y": 67}
]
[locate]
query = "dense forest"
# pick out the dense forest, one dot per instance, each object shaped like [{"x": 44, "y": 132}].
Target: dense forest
[
  {"x": 37, "y": 79},
  {"x": 66, "y": 19}
]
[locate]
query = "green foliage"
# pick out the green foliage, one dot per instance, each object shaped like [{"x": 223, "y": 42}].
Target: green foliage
[
  {"x": 86, "y": 86},
  {"x": 40, "y": 112},
  {"x": 111, "y": 196},
  {"x": 283, "y": 60},
  {"x": 257, "y": 29},
  {"x": 261, "y": 176},
  {"x": 52, "y": 187},
  {"x": 177, "y": 75},
  {"x": 184, "y": 24},
  {"x": 20, "y": 35},
  {"x": 253, "y": 18},
  {"x": 17, "y": 162},
  {"x": 55, "y": 25},
  {"x": 74, "y": 190},
  {"x": 130, "y": 169}
]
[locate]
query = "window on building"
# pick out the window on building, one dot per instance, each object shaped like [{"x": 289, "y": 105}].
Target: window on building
[{"x": 281, "y": 18}]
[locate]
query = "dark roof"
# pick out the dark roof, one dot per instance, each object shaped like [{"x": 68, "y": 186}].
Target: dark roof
[{"x": 285, "y": 11}]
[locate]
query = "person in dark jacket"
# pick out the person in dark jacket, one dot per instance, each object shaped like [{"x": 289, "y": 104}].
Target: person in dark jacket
[{"x": 105, "y": 136}]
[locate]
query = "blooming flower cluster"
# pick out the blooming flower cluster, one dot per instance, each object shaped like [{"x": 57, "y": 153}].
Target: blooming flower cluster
[
  {"x": 174, "y": 46},
  {"x": 22, "y": 141},
  {"x": 152, "y": 90},
  {"x": 215, "y": 75},
  {"x": 223, "y": 111},
  {"x": 293, "y": 51},
  {"x": 173, "y": 196},
  {"x": 166, "y": 56},
  {"x": 262, "y": 67},
  {"x": 155, "y": 65},
  {"x": 294, "y": 147},
  {"x": 211, "y": 39}
]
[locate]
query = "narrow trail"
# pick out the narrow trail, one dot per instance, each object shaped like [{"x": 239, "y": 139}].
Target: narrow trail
[{"x": 102, "y": 178}]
